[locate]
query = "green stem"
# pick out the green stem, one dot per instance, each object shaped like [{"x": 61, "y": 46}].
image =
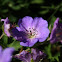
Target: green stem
[
  {"x": 32, "y": 60},
  {"x": 57, "y": 8},
  {"x": 1, "y": 36}
]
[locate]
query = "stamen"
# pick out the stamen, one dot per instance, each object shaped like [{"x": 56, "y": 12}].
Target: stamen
[{"x": 32, "y": 32}]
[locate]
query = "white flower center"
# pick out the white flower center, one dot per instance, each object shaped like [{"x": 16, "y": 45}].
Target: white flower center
[{"x": 32, "y": 33}]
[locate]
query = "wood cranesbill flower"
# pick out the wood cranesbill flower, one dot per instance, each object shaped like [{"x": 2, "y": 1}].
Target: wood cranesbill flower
[
  {"x": 31, "y": 30},
  {"x": 26, "y": 56},
  {"x": 37, "y": 55},
  {"x": 6, "y": 26},
  {"x": 5, "y": 56},
  {"x": 56, "y": 34}
]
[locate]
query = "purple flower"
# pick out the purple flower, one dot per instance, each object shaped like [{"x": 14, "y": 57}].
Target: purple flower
[
  {"x": 5, "y": 56},
  {"x": 56, "y": 34},
  {"x": 6, "y": 26},
  {"x": 35, "y": 55},
  {"x": 24, "y": 56},
  {"x": 31, "y": 30}
]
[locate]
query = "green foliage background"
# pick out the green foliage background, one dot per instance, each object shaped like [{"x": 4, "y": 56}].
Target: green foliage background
[{"x": 15, "y": 9}]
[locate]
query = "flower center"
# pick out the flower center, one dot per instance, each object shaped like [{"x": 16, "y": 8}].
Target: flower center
[{"x": 32, "y": 33}]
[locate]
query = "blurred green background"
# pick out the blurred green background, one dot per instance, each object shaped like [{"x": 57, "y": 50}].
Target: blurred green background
[{"x": 15, "y": 9}]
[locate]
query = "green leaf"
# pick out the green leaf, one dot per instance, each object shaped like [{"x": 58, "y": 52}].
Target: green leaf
[
  {"x": 17, "y": 7},
  {"x": 15, "y": 44},
  {"x": 50, "y": 56},
  {"x": 44, "y": 11},
  {"x": 56, "y": 57},
  {"x": 10, "y": 4},
  {"x": 5, "y": 2},
  {"x": 5, "y": 39},
  {"x": 37, "y": 1},
  {"x": 60, "y": 9},
  {"x": 52, "y": 21},
  {"x": 32, "y": 60},
  {"x": 12, "y": 18},
  {"x": 48, "y": 51},
  {"x": 4, "y": 11}
]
